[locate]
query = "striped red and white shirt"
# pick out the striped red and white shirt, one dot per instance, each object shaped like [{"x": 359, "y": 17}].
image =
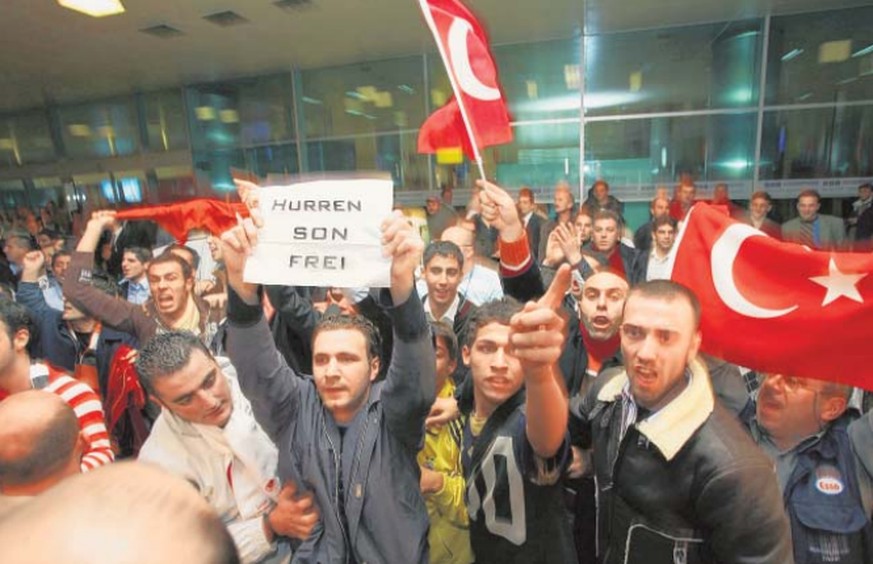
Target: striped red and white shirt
[{"x": 89, "y": 411}]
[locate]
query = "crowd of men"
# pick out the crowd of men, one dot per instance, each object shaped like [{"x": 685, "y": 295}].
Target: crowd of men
[{"x": 528, "y": 389}]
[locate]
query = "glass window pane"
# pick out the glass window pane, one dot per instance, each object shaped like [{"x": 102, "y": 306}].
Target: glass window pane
[
  {"x": 540, "y": 156},
  {"x": 165, "y": 120},
  {"x": 539, "y": 80},
  {"x": 394, "y": 154},
  {"x": 674, "y": 69},
  {"x": 649, "y": 151},
  {"x": 363, "y": 98},
  {"x": 273, "y": 159},
  {"x": 25, "y": 139},
  {"x": 212, "y": 170},
  {"x": 817, "y": 143},
  {"x": 100, "y": 129},
  {"x": 821, "y": 57},
  {"x": 244, "y": 112}
]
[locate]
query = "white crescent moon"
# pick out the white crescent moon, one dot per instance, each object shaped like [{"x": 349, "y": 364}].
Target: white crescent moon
[
  {"x": 460, "y": 58},
  {"x": 724, "y": 253}
]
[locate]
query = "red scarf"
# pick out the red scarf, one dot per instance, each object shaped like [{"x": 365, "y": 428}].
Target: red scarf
[
  {"x": 181, "y": 217},
  {"x": 616, "y": 263},
  {"x": 599, "y": 351}
]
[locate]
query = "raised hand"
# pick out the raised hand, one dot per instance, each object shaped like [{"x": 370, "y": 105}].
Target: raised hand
[
  {"x": 100, "y": 221},
  {"x": 568, "y": 238},
  {"x": 250, "y": 194},
  {"x": 236, "y": 245},
  {"x": 554, "y": 250},
  {"x": 404, "y": 245},
  {"x": 33, "y": 265},
  {"x": 498, "y": 210},
  {"x": 537, "y": 331}
]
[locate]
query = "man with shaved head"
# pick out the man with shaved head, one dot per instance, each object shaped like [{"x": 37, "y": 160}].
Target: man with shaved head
[
  {"x": 40, "y": 445},
  {"x": 127, "y": 512}
]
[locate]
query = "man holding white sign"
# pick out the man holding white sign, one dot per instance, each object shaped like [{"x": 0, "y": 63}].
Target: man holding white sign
[
  {"x": 351, "y": 442},
  {"x": 322, "y": 233}
]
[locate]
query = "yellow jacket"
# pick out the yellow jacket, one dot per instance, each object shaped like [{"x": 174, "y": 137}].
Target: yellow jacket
[{"x": 449, "y": 535}]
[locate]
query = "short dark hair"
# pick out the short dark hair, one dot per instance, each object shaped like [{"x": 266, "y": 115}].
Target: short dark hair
[
  {"x": 443, "y": 249},
  {"x": 142, "y": 254},
  {"x": 526, "y": 192},
  {"x": 371, "y": 334},
  {"x": 48, "y": 452},
  {"x": 604, "y": 213},
  {"x": 761, "y": 194},
  {"x": 666, "y": 290},
  {"x": 21, "y": 238},
  {"x": 195, "y": 256},
  {"x": 496, "y": 311},
  {"x": 58, "y": 254},
  {"x": 664, "y": 220},
  {"x": 16, "y": 317},
  {"x": 442, "y": 331},
  {"x": 167, "y": 256},
  {"x": 50, "y": 233},
  {"x": 164, "y": 355},
  {"x": 866, "y": 185},
  {"x": 598, "y": 182},
  {"x": 584, "y": 210},
  {"x": 809, "y": 193}
]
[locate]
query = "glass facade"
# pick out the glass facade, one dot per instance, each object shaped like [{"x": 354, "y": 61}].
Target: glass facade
[{"x": 760, "y": 102}]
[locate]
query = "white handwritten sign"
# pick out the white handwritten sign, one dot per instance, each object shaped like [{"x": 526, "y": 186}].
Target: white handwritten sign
[{"x": 323, "y": 233}]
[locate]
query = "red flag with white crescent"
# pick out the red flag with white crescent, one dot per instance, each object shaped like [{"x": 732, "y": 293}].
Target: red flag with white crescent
[
  {"x": 778, "y": 307},
  {"x": 478, "y": 110}
]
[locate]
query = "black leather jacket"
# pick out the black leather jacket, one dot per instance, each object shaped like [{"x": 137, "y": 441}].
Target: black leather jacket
[{"x": 686, "y": 485}]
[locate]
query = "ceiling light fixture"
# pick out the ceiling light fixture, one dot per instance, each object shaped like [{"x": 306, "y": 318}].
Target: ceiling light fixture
[
  {"x": 865, "y": 51},
  {"x": 94, "y": 8},
  {"x": 794, "y": 53}
]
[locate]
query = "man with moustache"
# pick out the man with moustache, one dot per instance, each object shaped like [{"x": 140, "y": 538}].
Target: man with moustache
[{"x": 824, "y": 463}]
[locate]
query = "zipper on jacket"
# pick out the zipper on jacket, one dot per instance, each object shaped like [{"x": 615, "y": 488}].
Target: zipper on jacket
[{"x": 337, "y": 478}]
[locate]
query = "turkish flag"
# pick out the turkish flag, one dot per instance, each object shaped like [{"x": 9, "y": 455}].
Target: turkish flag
[
  {"x": 463, "y": 47},
  {"x": 778, "y": 307},
  {"x": 181, "y": 217}
]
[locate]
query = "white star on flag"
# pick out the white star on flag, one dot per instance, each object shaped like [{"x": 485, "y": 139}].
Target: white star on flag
[{"x": 839, "y": 284}]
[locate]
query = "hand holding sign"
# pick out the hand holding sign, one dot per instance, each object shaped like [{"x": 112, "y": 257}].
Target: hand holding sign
[
  {"x": 404, "y": 245},
  {"x": 236, "y": 246},
  {"x": 250, "y": 194}
]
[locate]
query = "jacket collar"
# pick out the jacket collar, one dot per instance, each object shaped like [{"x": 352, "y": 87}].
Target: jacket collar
[{"x": 671, "y": 427}]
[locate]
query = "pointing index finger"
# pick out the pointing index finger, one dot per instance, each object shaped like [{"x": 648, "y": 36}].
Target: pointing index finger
[{"x": 559, "y": 286}]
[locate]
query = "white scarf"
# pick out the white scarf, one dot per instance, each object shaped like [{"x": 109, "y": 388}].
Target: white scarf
[{"x": 255, "y": 457}]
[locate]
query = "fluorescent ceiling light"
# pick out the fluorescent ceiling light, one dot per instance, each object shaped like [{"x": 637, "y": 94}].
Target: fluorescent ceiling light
[
  {"x": 94, "y": 8},
  {"x": 865, "y": 51},
  {"x": 794, "y": 53}
]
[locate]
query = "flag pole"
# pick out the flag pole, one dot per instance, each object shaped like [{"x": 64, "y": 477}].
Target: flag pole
[{"x": 477, "y": 157}]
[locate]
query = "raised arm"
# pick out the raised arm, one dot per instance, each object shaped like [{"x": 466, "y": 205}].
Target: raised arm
[
  {"x": 410, "y": 385},
  {"x": 537, "y": 337},
  {"x": 115, "y": 313},
  {"x": 266, "y": 380},
  {"x": 519, "y": 273},
  {"x": 29, "y": 293}
]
